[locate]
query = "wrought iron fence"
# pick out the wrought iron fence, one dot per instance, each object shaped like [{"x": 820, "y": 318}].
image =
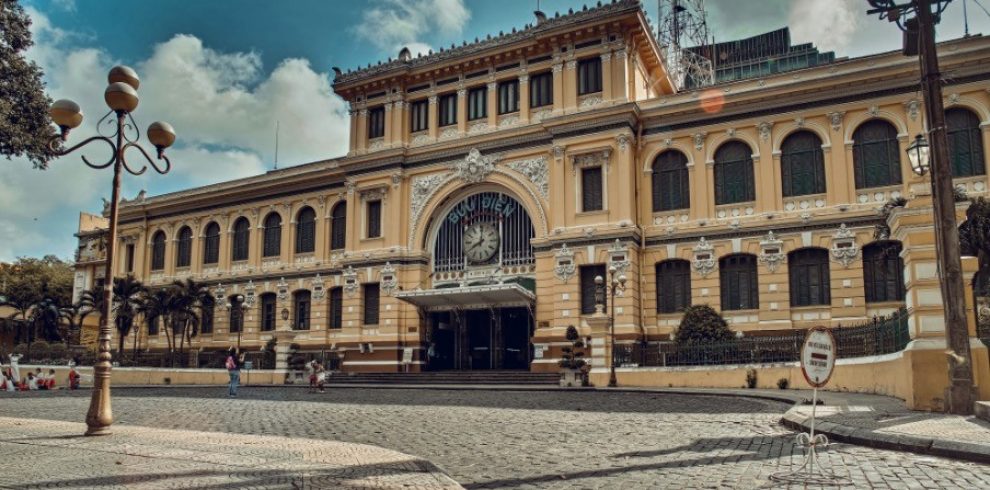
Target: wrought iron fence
[{"x": 882, "y": 335}]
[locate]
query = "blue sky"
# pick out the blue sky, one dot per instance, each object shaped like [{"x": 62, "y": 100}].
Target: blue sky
[{"x": 222, "y": 72}]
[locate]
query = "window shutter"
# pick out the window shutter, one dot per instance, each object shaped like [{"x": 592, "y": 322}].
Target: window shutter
[
  {"x": 338, "y": 226},
  {"x": 588, "y": 287},
  {"x": 371, "y": 300},
  {"x": 738, "y": 282},
  {"x": 876, "y": 154},
  {"x": 374, "y": 219},
  {"x": 306, "y": 231},
  {"x": 591, "y": 186},
  {"x": 336, "y": 308}
]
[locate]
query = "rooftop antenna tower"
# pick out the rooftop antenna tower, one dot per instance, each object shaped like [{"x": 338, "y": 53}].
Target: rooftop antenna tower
[{"x": 683, "y": 25}]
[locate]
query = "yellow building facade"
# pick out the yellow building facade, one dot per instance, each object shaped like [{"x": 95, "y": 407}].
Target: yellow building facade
[{"x": 487, "y": 184}]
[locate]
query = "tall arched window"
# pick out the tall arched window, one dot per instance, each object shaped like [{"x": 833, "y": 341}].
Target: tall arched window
[
  {"x": 802, "y": 164},
  {"x": 734, "y": 173},
  {"x": 809, "y": 277},
  {"x": 306, "y": 230},
  {"x": 301, "y": 306},
  {"x": 158, "y": 251},
  {"x": 673, "y": 285},
  {"x": 670, "y": 182},
  {"x": 738, "y": 282},
  {"x": 241, "y": 239},
  {"x": 273, "y": 235},
  {"x": 883, "y": 271},
  {"x": 183, "y": 255},
  {"x": 876, "y": 154},
  {"x": 338, "y": 226},
  {"x": 211, "y": 244},
  {"x": 965, "y": 143}
]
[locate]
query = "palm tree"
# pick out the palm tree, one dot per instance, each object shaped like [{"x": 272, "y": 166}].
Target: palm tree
[
  {"x": 127, "y": 297},
  {"x": 21, "y": 302},
  {"x": 156, "y": 305},
  {"x": 72, "y": 317},
  {"x": 191, "y": 296}
]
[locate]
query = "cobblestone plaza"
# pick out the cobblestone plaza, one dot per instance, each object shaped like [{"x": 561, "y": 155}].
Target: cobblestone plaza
[{"x": 506, "y": 439}]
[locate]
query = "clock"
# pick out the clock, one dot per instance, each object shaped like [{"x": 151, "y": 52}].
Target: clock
[{"x": 481, "y": 241}]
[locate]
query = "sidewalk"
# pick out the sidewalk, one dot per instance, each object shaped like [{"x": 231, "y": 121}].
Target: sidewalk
[{"x": 141, "y": 457}]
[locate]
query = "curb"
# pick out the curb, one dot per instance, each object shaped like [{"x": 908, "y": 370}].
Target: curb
[{"x": 977, "y": 453}]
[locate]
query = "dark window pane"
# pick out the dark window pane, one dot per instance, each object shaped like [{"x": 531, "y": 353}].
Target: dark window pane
[
  {"x": 448, "y": 109},
  {"x": 876, "y": 155},
  {"x": 802, "y": 164},
  {"x": 965, "y": 143},
  {"x": 374, "y": 219},
  {"x": 338, "y": 226},
  {"x": 211, "y": 244},
  {"x": 268, "y": 306},
  {"x": 370, "y": 299},
  {"x": 419, "y": 115},
  {"x": 273, "y": 235},
  {"x": 588, "y": 287},
  {"x": 242, "y": 233},
  {"x": 184, "y": 253},
  {"x": 130, "y": 257},
  {"x": 477, "y": 103},
  {"x": 738, "y": 282},
  {"x": 206, "y": 315},
  {"x": 300, "y": 318},
  {"x": 883, "y": 272},
  {"x": 671, "y": 188},
  {"x": 508, "y": 97},
  {"x": 336, "y": 308},
  {"x": 734, "y": 173},
  {"x": 809, "y": 277},
  {"x": 591, "y": 189},
  {"x": 158, "y": 251},
  {"x": 306, "y": 231},
  {"x": 673, "y": 285},
  {"x": 541, "y": 89},
  {"x": 376, "y": 122},
  {"x": 589, "y": 76}
]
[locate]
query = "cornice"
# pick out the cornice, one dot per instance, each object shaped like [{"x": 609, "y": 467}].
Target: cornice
[{"x": 761, "y": 231}]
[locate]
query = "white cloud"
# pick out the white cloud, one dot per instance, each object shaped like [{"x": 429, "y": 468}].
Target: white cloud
[
  {"x": 831, "y": 25},
  {"x": 222, "y": 105},
  {"x": 393, "y": 24}
]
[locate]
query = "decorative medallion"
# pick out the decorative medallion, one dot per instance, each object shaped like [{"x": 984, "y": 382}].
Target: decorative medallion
[
  {"x": 912, "y": 107},
  {"x": 699, "y": 141},
  {"x": 474, "y": 167},
  {"x": 764, "y": 128},
  {"x": 389, "y": 280},
  {"x": 835, "y": 119},
  {"x": 845, "y": 250},
  {"x": 622, "y": 139},
  {"x": 249, "y": 293},
  {"x": 618, "y": 256},
  {"x": 317, "y": 286},
  {"x": 873, "y": 111},
  {"x": 283, "y": 289},
  {"x": 704, "y": 258},
  {"x": 564, "y": 266},
  {"x": 772, "y": 252},
  {"x": 535, "y": 169},
  {"x": 350, "y": 281}
]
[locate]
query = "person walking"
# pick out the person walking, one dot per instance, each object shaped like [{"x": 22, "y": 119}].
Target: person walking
[
  {"x": 321, "y": 375},
  {"x": 234, "y": 370}
]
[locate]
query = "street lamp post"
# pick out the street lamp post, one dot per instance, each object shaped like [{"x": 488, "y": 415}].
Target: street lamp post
[
  {"x": 122, "y": 98},
  {"x": 921, "y": 29},
  {"x": 617, "y": 283},
  {"x": 235, "y": 312}
]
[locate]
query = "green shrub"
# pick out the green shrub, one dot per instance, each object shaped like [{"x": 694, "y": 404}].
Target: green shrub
[
  {"x": 783, "y": 383},
  {"x": 58, "y": 352},
  {"x": 573, "y": 356},
  {"x": 751, "y": 378},
  {"x": 702, "y": 325},
  {"x": 40, "y": 350},
  {"x": 20, "y": 349}
]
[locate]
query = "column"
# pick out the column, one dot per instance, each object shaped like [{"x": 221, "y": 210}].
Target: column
[
  {"x": 607, "y": 76},
  {"x": 620, "y": 90},
  {"x": 570, "y": 85},
  {"x": 256, "y": 241},
  {"x": 558, "y": 85},
  {"x": 400, "y": 123},
  {"x": 389, "y": 125},
  {"x": 461, "y": 109},
  {"x": 524, "y": 98},
  {"x": 492, "y": 104},
  {"x": 434, "y": 119},
  {"x": 352, "y": 146},
  {"x": 362, "y": 130}
]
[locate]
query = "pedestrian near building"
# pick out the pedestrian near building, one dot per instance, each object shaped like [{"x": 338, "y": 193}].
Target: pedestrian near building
[{"x": 234, "y": 370}]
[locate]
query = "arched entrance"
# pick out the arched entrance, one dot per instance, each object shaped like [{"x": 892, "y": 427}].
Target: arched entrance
[{"x": 479, "y": 311}]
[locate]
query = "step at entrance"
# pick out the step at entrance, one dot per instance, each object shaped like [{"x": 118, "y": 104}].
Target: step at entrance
[{"x": 448, "y": 378}]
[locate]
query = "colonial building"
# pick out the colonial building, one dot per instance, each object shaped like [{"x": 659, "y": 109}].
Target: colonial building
[{"x": 488, "y": 184}]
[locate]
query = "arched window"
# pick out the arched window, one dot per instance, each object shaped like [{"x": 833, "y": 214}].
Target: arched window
[
  {"x": 876, "y": 154},
  {"x": 883, "y": 271},
  {"x": 301, "y": 307},
  {"x": 809, "y": 277},
  {"x": 183, "y": 256},
  {"x": 802, "y": 164},
  {"x": 242, "y": 237},
  {"x": 211, "y": 244},
  {"x": 738, "y": 282},
  {"x": 965, "y": 143},
  {"x": 673, "y": 285},
  {"x": 338, "y": 226},
  {"x": 158, "y": 251},
  {"x": 670, "y": 182},
  {"x": 268, "y": 306},
  {"x": 734, "y": 173},
  {"x": 273, "y": 235},
  {"x": 306, "y": 230}
]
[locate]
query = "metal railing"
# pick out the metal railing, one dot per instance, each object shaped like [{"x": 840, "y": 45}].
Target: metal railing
[{"x": 881, "y": 335}]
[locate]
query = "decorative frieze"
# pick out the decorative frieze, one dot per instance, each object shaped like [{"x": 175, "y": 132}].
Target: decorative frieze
[
  {"x": 564, "y": 266},
  {"x": 474, "y": 167},
  {"x": 704, "y": 258},
  {"x": 536, "y": 170},
  {"x": 845, "y": 250}
]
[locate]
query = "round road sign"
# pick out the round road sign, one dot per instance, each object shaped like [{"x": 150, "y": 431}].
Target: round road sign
[{"x": 818, "y": 356}]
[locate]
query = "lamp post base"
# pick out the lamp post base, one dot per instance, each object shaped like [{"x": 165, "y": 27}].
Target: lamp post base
[{"x": 99, "y": 418}]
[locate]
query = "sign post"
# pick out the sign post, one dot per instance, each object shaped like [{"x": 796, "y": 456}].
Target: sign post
[
  {"x": 407, "y": 358},
  {"x": 818, "y": 355}
]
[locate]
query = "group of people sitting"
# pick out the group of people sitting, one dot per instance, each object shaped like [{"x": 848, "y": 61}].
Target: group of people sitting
[{"x": 10, "y": 379}]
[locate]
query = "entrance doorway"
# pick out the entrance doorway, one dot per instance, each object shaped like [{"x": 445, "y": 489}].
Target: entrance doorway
[{"x": 480, "y": 339}]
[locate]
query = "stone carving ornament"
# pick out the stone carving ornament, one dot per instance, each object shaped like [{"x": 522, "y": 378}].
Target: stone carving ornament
[
  {"x": 772, "y": 252},
  {"x": 389, "y": 279},
  {"x": 764, "y": 129},
  {"x": 350, "y": 281},
  {"x": 474, "y": 167},
  {"x": 564, "y": 267},
  {"x": 704, "y": 258},
  {"x": 845, "y": 250},
  {"x": 535, "y": 169}
]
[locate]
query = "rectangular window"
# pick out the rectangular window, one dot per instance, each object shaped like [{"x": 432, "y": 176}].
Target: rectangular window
[
  {"x": 419, "y": 115},
  {"x": 370, "y": 307},
  {"x": 336, "y": 308},
  {"x": 673, "y": 286},
  {"x": 130, "y": 258},
  {"x": 508, "y": 97},
  {"x": 541, "y": 89},
  {"x": 448, "y": 109},
  {"x": 206, "y": 320},
  {"x": 591, "y": 189},
  {"x": 153, "y": 326},
  {"x": 589, "y": 290},
  {"x": 477, "y": 103},
  {"x": 268, "y": 312},
  {"x": 589, "y": 76},
  {"x": 301, "y": 318},
  {"x": 374, "y": 219},
  {"x": 236, "y": 319},
  {"x": 376, "y": 122}
]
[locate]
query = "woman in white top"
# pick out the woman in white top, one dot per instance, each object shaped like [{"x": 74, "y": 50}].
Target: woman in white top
[{"x": 32, "y": 382}]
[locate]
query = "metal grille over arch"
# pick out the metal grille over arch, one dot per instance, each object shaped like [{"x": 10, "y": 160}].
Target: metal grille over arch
[{"x": 487, "y": 230}]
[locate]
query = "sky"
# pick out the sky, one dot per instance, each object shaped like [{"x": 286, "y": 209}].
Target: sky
[{"x": 223, "y": 72}]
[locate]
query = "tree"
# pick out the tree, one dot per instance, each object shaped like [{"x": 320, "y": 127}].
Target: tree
[
  {"x": 702, "y": 325},
  {"x": 128, "y": 295},
  {"x": 187, "y": 297},
  {"x": 572, "y": 356},
  {"x": 25, "y": 128},
  {"x": 36, "y": 278}
]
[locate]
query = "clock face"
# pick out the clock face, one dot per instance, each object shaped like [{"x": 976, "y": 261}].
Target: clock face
[{"x": 480, "y": 241}]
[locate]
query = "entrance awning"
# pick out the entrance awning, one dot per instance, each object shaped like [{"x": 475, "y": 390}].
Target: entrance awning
[{"x": 469, "y": 297}]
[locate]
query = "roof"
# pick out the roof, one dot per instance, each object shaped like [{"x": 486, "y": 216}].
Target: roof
[
  {"x": 528, "y": 32},
  {"x": 467, "y": 297}
]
